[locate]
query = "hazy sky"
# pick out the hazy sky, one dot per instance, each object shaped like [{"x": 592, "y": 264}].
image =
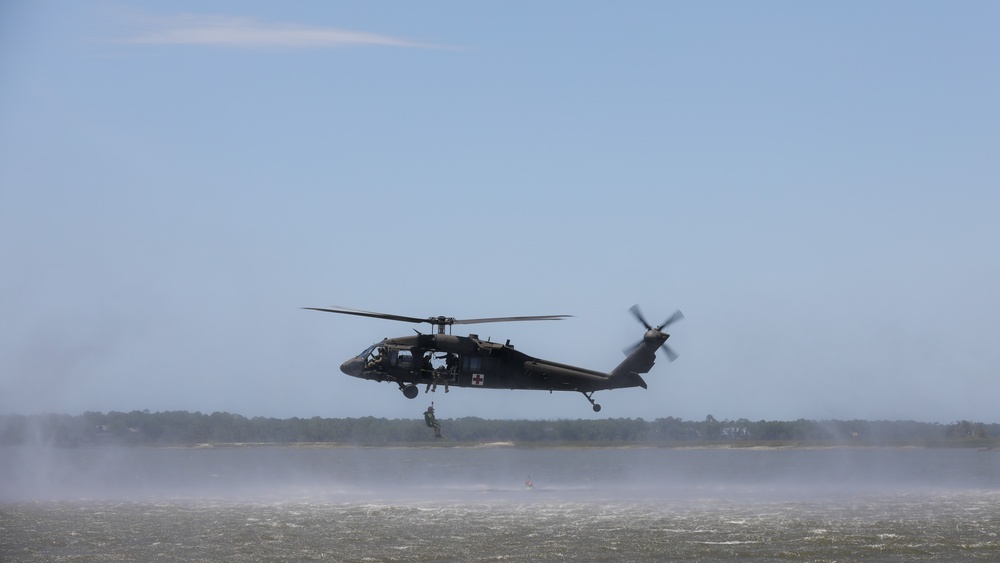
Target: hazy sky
[{"x": 815, "y": 185}]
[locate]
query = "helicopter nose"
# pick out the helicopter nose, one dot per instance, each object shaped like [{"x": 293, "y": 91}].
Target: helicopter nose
[{"x": 353, "y": 367}]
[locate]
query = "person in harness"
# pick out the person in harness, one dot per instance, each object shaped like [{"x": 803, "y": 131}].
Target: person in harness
[{"x": 432, "y": 422}]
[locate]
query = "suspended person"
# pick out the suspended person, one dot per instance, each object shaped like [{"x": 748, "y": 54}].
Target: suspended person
[{"x": 432, "y": 422}]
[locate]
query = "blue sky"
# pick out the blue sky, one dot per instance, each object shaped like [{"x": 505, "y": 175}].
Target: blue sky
[{"x": 813, "y": 184}]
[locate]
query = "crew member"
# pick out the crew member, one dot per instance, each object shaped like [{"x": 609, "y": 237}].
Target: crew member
[
  {"x": 378, "y": 360},
  {"x": 432, "y": 422}
]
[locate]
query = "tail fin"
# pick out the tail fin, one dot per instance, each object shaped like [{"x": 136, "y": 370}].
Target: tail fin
[
  {"x": 642, "y": 355},
  {"x": 640, "y": 360}
]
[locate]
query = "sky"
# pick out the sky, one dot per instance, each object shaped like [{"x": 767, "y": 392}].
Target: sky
[{"x": 815, "y": 186}]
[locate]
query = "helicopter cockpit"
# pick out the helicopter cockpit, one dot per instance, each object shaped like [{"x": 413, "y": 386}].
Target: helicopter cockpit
[{"x": 379, "y": 359}]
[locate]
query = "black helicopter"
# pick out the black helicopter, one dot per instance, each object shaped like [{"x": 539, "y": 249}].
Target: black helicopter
[{"x": 468, "y": 361}]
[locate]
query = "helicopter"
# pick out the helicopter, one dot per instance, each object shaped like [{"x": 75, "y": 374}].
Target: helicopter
[{"x": 442, "y": 358}]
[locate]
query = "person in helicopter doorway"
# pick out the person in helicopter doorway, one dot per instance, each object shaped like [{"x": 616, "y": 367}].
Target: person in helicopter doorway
[{"x": 432, "y": 422}]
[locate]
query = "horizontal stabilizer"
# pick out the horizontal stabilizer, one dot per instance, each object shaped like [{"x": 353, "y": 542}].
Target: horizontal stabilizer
[{"x": 635, "y": 380}]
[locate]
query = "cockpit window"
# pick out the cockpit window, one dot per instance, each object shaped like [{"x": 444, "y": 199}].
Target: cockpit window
[{"x": 368, "y": 351}]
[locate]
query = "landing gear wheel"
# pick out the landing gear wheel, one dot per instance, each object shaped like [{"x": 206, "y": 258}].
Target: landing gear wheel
[
  {"x": 411, "y": 391},
  {"x": 590, "y": 397}
]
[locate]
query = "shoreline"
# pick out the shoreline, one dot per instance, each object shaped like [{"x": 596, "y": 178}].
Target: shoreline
[{"x": 984, "y": 445}]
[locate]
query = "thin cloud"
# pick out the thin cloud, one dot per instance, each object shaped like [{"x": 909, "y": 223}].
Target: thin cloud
[{"x": 234, "y": 31}]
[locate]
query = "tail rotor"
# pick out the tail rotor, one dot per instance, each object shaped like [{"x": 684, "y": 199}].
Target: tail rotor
[{"x": 655, "y": 334}]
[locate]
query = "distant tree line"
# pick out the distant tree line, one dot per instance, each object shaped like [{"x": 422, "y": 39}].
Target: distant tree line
[{"x": 190, "y": 428}]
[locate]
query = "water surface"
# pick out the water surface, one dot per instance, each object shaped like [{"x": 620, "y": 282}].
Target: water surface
[{"x": 471, "y": 504}]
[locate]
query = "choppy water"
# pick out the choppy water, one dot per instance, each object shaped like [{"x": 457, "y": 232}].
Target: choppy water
[{"x": 470, "y": 504}]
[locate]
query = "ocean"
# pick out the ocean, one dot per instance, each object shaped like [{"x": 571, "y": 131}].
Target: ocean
[{"x": 322, "y": 503}]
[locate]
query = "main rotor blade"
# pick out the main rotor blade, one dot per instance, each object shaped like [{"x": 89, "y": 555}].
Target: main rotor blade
[
  {"x": 510, "y": 319},
  {"x": 634, "y": 309},
  {"x": 678, "y": 315},
  {"x": 434, "y": 320},
  {"x": 359, "y": 313}
]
